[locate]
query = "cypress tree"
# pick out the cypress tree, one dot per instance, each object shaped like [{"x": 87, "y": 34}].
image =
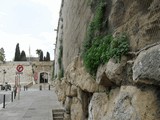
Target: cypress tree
[
  {"x": 2, "y": 55},
  {"x": 23, "y": 56},
  {"x": 48, "y": 57},
  {"x": 41, "y": 56},
  {"x": 44, "y": 58},
  {"x": 17, "y": 53}
]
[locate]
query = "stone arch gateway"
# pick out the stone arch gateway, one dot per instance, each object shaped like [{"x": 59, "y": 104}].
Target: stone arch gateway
[{"x": 43, "y": 77}]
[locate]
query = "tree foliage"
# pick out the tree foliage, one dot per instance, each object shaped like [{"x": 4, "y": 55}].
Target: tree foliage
[
  {"x": 99, "y": 47},
  {"x": 2, "y": 55},
  {"x": 41, "y": 56},
  {"x": 38, "y": 51},
  {"x": 104, "y": 48},
  {"x": 47, "y": 56},
  {"x": 17, "y": 53},
  {"x": 44, "y": 58},
  {"x": 23, "y": 56}
]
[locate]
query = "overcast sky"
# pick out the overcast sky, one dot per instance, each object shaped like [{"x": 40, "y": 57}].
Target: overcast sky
[{"x": 29, "y": 23}]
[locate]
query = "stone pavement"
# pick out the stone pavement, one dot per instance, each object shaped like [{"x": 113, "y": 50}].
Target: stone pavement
[{"x": 33, "y": 105}]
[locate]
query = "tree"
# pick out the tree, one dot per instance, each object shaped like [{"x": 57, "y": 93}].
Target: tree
[
  {"x": 38, "y": 51},
  {"x": 2, "y": 55},
  {"x": 47, "y": 56},
  {"x": 23, "y": 56},
  {"x": 17, "y": 53},
  {"x": 41, "y": 56},
  {"x": 44, "y": 58}
]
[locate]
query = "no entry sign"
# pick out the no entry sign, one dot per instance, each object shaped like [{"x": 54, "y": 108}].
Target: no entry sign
[{"x": 19, "y": 68}]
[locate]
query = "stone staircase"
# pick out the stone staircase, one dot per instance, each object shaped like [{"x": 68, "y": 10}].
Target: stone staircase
[{"x": 58, "y": 114}]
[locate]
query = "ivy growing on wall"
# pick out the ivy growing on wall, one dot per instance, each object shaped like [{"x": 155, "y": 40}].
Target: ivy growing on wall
[{"x": 99, "y": 48}]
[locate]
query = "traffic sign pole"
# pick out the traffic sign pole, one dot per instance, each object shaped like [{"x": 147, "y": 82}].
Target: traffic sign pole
[
  {"x": 19, "y": 87},
  {"x": 19, "y": 69}
]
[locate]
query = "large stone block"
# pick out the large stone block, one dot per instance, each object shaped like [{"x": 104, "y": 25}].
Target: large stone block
[
  {"x": 97, "y": 106},
  {"x": 111, "y": 73},
  {"x": 76, "y": 109},
  {"x": 126, "y": 103},
  {"x": 78, "y": 76},
  {"x": 71, "y": 90},
  {"x": 146, "y": 68}
]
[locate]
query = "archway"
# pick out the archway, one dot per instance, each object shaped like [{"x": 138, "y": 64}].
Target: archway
[{"x": 43, "y": 77}]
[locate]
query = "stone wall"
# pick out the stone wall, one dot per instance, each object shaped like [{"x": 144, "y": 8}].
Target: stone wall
[
  {"x": 128, "y": 90},
  {"x": 74, "y": 18}
]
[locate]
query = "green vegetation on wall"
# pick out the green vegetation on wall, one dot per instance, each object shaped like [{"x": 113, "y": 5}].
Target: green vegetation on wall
[
  {"x": 61, "y": 74},
  {"x": 99, "y": 48},
  {"x": 61, "y": 70},
  {"x": 104, "y": 48},
  {"x": 60, "y": 56},
  {"x": 94, "y": 26}
]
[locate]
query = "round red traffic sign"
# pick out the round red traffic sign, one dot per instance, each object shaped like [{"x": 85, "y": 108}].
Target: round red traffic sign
[{"x": 19, "y": 68}]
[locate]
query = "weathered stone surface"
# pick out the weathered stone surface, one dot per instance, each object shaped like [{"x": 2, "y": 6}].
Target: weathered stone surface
[
  {"x": 75, "y": 16},
  {"x": 101, "y": 77},
  {"x": 126, "y": 103},
  {"x": 115, "y": 71},
  {"x": 77, "y": 75},
  {"x": 76, "y": 110},
  {"x": 97, "y": 106},
  {"x": 71, "y": 90},
  {"x": 146, "y": 68},
  {"x": 67, "y": 116},
  {"x": 67, "y": 105},
  {"x": 60, "y": 89},
  {"x": 138, "y": 18},
  {"x": 123, "y": 109},
  {"x": 111, "y": 73}
]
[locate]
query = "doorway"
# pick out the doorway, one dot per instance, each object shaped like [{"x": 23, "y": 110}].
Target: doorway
[{"x": 43, "y": 77}]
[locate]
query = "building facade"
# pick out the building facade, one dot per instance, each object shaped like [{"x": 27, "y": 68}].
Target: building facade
[{"x": 36, "y": 72}]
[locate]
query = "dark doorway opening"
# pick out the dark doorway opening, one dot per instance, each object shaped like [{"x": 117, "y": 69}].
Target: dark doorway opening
[{"x": 43, "y": 77}]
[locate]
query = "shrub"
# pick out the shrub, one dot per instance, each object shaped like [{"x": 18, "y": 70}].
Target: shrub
[
  {"x": 94, "y": 26},
  {"x": 99, "y": 48},
  {"x": 104, "y": 48}
]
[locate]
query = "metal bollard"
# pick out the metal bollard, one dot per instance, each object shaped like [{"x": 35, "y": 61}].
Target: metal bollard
[
  {"x": 12, "y": 96},
  {"x": 15, "y": 94},
  {"x": 49, "y": 87},
  {"x": 4, "y": 100},
  {"x": 24, "y": 87},
  {"x": 40, "y": 87}
]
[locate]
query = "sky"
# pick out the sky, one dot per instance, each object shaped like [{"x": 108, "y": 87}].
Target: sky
[{"x": 31, "y": 23}]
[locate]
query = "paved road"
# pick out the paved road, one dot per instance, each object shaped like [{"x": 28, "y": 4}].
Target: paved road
[
  {"x": 33, "y": 105},
  {"x": 7, "y": 96}
]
